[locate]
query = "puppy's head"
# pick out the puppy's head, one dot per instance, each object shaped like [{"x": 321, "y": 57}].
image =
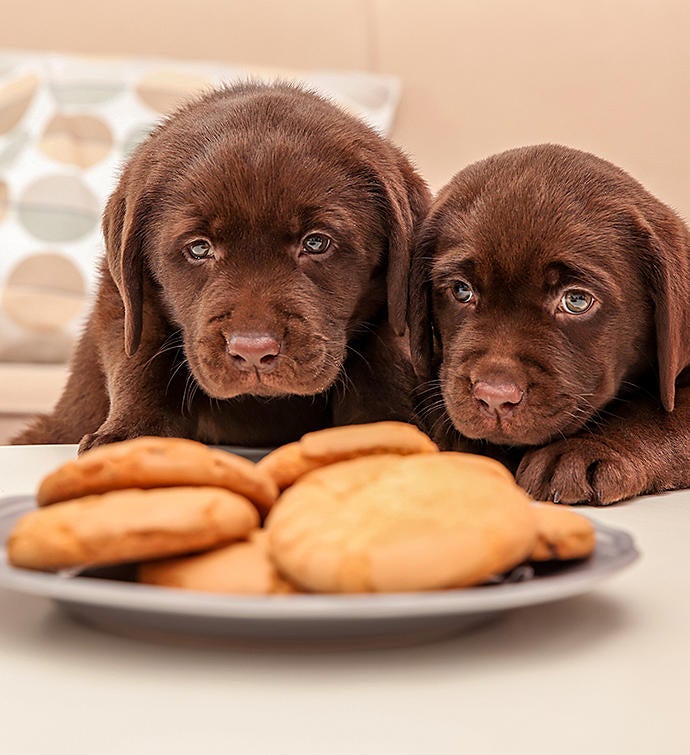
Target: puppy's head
[
  {"x": 546, "y": 281},
  {"x": 272, "y": 226}
]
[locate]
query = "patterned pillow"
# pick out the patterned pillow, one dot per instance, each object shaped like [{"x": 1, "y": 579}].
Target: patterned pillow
[{"x": 66, "y": 126}]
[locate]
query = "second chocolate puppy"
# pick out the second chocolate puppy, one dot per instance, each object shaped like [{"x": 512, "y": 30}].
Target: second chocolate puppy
[{"x": 550, "y": 320}]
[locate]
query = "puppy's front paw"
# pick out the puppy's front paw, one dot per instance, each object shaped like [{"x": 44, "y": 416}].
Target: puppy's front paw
[
  {"x": 93, "y": 440},
  {"x": 580, "y": 470},
  {"x": 115, "y": 429}
]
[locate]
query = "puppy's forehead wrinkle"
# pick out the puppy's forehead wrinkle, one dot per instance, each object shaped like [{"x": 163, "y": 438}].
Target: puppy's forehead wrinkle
[
  {"x": 221, "y": 317},
  {"x": 568, "y": 270},
  {"x": 512, "y": 215},
  {"x": 270, "y": 168},
  {"x": 453, "y": 263}
]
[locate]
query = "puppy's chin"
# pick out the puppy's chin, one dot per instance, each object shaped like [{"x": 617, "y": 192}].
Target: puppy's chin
[
  {"x": 219, "y": 378},
  {"x": 524, "y": 425}
]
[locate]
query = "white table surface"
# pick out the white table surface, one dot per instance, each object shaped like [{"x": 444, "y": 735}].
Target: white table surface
[{"x": 608, "y": 672}]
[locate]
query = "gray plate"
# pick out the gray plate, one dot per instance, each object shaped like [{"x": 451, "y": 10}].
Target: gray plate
[{"x": 109, "y": 599}]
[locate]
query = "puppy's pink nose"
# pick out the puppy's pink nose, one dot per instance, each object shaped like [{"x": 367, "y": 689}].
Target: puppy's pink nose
[
  {"x": 253, "y": 351},
  {"x": 498, "y": 398}
]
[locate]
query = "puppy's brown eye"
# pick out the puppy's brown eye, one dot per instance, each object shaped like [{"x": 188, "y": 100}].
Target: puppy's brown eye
[
  {"x": 462, "y": 291},
  {"x": 576, "y": 302},
  {"x": 315, "y": 243},
  {"x": 200, "y": 249}
]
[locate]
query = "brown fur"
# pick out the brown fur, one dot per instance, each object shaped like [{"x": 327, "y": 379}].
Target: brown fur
[
  {"x": 252, "y": 169},
  {"x": 604, "y": 412}
]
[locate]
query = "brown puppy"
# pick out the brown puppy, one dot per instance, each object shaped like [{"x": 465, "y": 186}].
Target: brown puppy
[
  {"x": 255, "y": 278},
  {"x": 550, "y": 317}
]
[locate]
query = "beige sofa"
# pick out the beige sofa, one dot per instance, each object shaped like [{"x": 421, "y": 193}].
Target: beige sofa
[{"x": 611, "y": 76}]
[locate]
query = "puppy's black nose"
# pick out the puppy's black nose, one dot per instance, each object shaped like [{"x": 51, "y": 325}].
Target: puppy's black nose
[
  {"x": 497, "y": 398},
  {"x": 253, "y": 351}
]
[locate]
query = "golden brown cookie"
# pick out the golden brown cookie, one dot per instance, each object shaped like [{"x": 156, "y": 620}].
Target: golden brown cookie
[
  {"x": 287, "y": 464},
  {"x": 391, "y": 523},
  {"x": 129, "y": 525},
  {"x": 156, "y": 463},
  {"x": 290, "y": 462},
  {"x": 242, "y": 568},
  {"x": 562, "y": 534}
]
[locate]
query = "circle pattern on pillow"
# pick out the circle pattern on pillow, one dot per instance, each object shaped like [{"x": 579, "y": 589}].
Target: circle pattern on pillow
[
  {"x": 81, "y": 140},
  {"x": 164, "y": 90},
  {"x": 58, "y": 208},
  {"x": 14, "y": 143},
  {"x": 15, "y": 98},
  {"x": 44, "y": 292},
  {"x": 84, "y": 93}
]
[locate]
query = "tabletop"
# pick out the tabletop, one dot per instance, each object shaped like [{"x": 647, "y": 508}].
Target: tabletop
[{"x": 604, "y": 672}]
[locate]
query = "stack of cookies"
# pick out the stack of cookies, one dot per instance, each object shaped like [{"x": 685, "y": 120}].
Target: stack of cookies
[{"x": 370, "y": 508}]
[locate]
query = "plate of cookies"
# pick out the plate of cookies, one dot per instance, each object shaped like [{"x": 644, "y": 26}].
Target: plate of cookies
[{"x": 364, "y": 534}]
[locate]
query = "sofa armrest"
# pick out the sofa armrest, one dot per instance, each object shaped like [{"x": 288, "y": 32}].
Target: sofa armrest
[{"x": 30, "y": 388}]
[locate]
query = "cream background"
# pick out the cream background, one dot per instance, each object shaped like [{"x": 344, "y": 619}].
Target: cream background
[{"x": 609, "y": 76}]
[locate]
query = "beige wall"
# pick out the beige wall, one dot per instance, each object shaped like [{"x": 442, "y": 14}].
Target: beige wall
[
  {"x": 608, "y": 77},
  {"x": 479, "y": 76}
]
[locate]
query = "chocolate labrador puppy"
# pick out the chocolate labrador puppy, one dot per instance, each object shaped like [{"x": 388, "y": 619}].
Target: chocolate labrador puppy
[
  {"x": 550, "y": 317},
  {"x": 254, "y": 281}
]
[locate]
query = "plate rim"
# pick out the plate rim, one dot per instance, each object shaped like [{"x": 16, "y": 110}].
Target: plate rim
[{"x": 297, "y": 608}]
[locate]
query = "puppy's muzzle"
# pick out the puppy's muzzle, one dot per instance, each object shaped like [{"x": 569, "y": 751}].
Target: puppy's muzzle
[{"x": 252, "y": 352}]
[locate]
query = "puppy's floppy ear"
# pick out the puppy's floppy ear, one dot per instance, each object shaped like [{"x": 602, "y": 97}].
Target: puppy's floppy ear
[
  {"x": 666, "y": 244},
  {"x": 123, "y": 230},
  {"x": 454, "y": 199},
  {"x": 407, "y": 198},
  {"x": 419, "y": 316}
]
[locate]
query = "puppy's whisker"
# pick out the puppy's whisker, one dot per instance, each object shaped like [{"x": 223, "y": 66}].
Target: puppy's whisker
[
  {"x": 445, "y": 421},
  {"x": 608, "y": 414},
  {"x": 194, "y": 391},
  {"x": 351, "y": 349},
  {"x": 364, "y": 327},
  {"x": 342, "y": 385},
  {"x": 172, "y": 343},
  {"x": 640, "y": 388},
  {"x": 449, "y": 428},
  {"x": 184, "y": 392},
  {"x": 174, "y": 373},
  {"x": 425, "y": 411},
  {"x": 428, "y": 389},
  {"x": 343, "y": 380}
]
